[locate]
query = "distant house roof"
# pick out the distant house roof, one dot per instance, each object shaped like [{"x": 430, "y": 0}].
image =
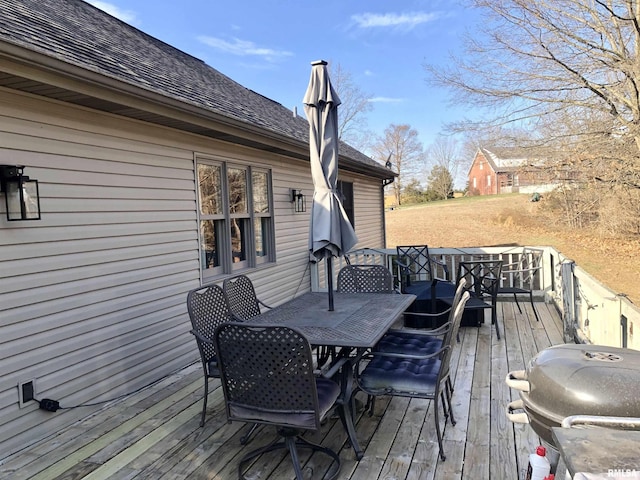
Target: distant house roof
[
  {"x": 507, "y": 160},
  {"x": 108, "y": 65}
]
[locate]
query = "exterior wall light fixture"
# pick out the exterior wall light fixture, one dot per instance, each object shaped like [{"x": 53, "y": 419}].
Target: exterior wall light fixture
[
  {"x": 299, "y": 201},
  {"x": 21, "y": 194}
]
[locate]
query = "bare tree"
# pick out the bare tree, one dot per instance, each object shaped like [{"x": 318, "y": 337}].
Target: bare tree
[
  {"x": 400, "y": 145},
  {"x": 355, "y": 104},
  {"x": 447, "y": 153},
  {"x": 568, "y": 70},
  {"x": 551, "y": 58}
]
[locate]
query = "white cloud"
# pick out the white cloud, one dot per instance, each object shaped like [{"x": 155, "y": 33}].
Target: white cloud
[
  {"x": 368, "y": 73},
  {"x": 127, "y": 16},
  {"x": 409, "y": 20},
  {"x": 386, "y": 100},
  {"x": 243, "y": 48}
]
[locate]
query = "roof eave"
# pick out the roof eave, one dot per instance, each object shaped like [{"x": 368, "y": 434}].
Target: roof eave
[{"x": 43, "y": 68}]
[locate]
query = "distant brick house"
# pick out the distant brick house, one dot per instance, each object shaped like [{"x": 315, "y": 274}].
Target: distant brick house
[{"x": 503, "y": 171}]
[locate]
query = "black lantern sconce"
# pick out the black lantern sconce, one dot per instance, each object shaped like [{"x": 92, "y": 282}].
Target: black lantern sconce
[
  {"x": 21, "y": 194},
  {"x": 299, "y": 201}
]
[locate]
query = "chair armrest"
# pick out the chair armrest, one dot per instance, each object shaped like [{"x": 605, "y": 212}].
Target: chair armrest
[
  {"x": 260, "y": 302},
  {"x": 407, "y": 356},
  {"x": 426, "y": 314},
  {"x": 513, "y": 264},
  {"x": 331, "y": 371},
  {"x": 201, "y": 337},
  {"x": 432, "y": 332},
  {"x": 443, "y": 265}
]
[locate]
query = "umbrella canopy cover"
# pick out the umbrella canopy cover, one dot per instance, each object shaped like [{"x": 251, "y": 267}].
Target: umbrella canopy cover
[{"x": 331, "y": 233}]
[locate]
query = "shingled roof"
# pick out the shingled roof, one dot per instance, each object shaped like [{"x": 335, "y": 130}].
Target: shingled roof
[{"x": 79, "y": 42}]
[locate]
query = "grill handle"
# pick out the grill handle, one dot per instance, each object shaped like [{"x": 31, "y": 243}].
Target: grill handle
[
  {"x": 517, "y": 417},
  {"x": 517, "y": 379}
]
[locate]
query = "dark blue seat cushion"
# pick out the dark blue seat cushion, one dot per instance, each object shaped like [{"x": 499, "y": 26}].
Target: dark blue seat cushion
[
  {"x": 423, "y": 290},
  {"x": 397, "y": 341},
  {"x": 399, "y": 376}
]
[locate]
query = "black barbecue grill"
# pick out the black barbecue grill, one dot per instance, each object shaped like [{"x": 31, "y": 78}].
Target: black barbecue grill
[{"x": 573, "y": 379}]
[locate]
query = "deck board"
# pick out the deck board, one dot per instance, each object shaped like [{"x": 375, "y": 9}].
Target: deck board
[{"x": 155, "y": 433}]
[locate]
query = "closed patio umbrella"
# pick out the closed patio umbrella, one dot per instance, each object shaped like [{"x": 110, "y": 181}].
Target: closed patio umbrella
[{"x": 330, "y": 233}]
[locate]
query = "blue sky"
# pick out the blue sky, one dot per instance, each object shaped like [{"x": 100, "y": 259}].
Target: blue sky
[{"x": 268, "y": 45}]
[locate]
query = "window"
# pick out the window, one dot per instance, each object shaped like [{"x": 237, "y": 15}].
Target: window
[
  {"x": 475, "y": 182},
  {"x": 345, "y": 190},
  {"x": 236, "y": 220},
  {"x": 488, "y": 180}
]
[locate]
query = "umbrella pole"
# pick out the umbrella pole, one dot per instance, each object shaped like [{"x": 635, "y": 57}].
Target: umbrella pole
[{"x": 330, "y": 282}]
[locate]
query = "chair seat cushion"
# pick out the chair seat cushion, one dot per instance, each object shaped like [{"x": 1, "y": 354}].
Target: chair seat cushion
[
  {"x": 399, "y": 376},
  {"x": 409, "y": 343},
  {"x": 328, "y": 392},
  {"x": 423, "y": 290},
  {"x": 212, "y": 367}
]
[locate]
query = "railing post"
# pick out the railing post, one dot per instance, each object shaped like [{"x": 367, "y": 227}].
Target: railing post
[{"x": 568, "y": 300}]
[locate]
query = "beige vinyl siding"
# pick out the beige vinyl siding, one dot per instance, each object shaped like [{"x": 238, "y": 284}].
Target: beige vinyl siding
[{"x": 92, "y": 297}]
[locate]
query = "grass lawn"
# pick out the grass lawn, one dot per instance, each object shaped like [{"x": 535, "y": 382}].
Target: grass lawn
[{"x": 513, "y": 220}]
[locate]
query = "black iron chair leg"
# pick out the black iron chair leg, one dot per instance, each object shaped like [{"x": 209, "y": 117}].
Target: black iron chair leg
[
  {"x": 204, "y": 400},
  {"x": 247, "y": 436},
  {"x": 515, "y": 297},
  {"x": 438, "y": 430},
  {"x": 535, "y": 312},
  {"x": 452, "y": 419},
  {"x": 290, "y": 442}
]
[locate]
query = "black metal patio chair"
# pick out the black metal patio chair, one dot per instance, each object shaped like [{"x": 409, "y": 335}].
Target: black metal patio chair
[
  {"x": 425, "y": 277},
  {"x": 242, "y": 299},
  {"x": 208, "y": 308},
  {"x": 365, "y": 279},
  {"x": 482, "y": 281},
  {"x": 268, "y": 378},
  {"x": 422, "y": 341},
  {"x": 422, "y": 376},
  {"x": 519, "y": 277}
]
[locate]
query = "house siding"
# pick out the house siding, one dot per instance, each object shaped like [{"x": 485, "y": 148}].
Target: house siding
[
  {"x": 93, "y": 295},
  {"x": 480, "y": 170}
]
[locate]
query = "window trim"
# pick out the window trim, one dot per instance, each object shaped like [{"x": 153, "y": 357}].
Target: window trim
[
  {"x": 350, "y": 207},
  {"x": 226, "y": 264}
]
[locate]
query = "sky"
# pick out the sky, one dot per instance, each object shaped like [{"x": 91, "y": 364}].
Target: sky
[{"x": 268, "y": 46}]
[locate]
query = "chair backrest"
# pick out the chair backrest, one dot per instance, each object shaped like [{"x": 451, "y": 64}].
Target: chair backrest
[
  {"x": 267, "y": 375},
  {"x": 417, "y": 261},
  {"x": 208, "y": 308},
  {"x": 460, "y": 290},
  {"x": 452, "y": 335},
  {"x": 365, "y": 279},
  {"x": 241, "y": 297},
  {"x": 528, "y": 266},
  {"x": 482, "y": 276}
]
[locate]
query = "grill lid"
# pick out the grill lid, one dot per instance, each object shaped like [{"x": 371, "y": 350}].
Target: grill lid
[{"x": 575, "y": 379}]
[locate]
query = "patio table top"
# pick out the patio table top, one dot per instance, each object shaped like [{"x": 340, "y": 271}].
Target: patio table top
[{"x": 358, "y": 320}]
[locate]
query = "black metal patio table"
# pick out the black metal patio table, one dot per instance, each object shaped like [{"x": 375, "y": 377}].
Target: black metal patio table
[{"x": 356, "y": 324}]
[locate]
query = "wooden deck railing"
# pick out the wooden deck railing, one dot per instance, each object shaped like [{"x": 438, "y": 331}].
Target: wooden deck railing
[{"x": 591, "y": 312}]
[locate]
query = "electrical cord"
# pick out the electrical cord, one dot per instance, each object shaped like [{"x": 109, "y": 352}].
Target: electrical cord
[{"x": 53, "y": 405}]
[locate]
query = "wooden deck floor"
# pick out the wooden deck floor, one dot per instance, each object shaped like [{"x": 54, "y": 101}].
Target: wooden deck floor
[{"x": 155, "y": 433}]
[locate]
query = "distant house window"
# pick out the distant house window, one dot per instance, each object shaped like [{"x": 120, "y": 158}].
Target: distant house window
[
  {"x": 346, "y": 196},
  {"x": 481, "y": 165},
  {"x": 236, "y": 219},
  {"x": 475, "y": 182},
  {"x": 488, "y": 180}
]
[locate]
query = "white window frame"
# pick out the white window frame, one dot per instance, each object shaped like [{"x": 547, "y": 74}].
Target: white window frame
[{"x": 223, "y": 221}]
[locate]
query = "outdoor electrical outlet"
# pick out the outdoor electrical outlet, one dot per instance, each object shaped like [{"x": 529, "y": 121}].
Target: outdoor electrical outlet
[{"x": 26, "y": 392}]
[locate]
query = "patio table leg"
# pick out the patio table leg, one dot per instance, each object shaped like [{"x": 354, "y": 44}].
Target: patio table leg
[{"x": 345, "y": 410}]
